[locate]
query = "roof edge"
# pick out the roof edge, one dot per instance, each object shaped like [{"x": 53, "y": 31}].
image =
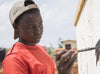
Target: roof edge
[{"x": 68, "y": 40}]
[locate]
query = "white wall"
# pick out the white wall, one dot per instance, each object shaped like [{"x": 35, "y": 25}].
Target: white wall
[
  {"x": 96, "y": 26},
  {"x": 88, "y": 33}
]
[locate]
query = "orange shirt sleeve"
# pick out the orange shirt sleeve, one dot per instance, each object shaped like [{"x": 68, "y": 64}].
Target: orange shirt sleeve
[{"x": 14, "y": 64}]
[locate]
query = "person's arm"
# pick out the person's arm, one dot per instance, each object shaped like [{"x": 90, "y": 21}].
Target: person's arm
[
  {"x": 65, "y": 60},
  {"x": 14, "y": 65}
]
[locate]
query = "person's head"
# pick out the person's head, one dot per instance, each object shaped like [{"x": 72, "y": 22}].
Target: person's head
[{"x": 27, "y": 22}]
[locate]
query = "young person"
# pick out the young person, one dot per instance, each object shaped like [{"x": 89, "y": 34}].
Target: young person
[{"x": 26, "y": 56}]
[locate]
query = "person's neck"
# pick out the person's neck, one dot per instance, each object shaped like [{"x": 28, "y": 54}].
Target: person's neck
[{"x": 25, "y": 42}]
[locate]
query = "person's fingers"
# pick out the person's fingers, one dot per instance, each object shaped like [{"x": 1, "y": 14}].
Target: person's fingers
[
  {"x": 71, "y": 61},
  {"x": 60, "y": 53},
  {"x": 74, "y": 48},
  {"x": 66, "y": 56}
]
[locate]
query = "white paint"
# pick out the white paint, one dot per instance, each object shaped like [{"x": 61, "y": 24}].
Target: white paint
[{"x": 88, "y": 33}]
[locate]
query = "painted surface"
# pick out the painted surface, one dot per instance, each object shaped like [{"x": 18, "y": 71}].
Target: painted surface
[{"x": 88, "y": 33}]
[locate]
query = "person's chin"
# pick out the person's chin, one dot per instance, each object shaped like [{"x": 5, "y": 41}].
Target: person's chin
[{"x": 37, "y": 41}]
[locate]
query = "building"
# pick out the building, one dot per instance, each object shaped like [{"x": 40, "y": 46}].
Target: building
[
  {"x": 68, "y": 44},
  {"x": 87, "y": 22}
]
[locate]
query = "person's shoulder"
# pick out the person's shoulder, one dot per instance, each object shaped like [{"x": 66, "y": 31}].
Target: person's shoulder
[
  {"x": 12, "y": 58},
  {"x": 13, "y": 61},
  {"x": 43, "y": 48}
]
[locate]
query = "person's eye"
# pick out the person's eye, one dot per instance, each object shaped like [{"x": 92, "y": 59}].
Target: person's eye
[
  {"x": 41, "y": 24},
  {"x": 30, "y": 26},
  {"x": 25, "y": 27}
]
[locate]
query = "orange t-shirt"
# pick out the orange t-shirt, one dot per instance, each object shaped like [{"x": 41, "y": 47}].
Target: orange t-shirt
[{"x": 25, "y": 59}]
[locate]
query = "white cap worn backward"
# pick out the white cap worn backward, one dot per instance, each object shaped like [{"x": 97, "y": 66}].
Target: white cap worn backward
[{"x": 18, "y": 9}]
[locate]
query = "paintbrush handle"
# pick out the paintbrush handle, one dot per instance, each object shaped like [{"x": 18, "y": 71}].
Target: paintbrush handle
[
  {"x": 86, "y": 49},
  {"x": 82, "y": 50}
]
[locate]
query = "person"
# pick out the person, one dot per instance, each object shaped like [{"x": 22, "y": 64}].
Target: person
[{"x": 26, "y": 56}]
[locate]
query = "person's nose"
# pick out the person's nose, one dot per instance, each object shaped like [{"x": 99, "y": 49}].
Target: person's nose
[{"x": 37, "y": 30}]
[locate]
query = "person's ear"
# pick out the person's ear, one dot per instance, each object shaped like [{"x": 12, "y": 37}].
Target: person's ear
[{"x": 16, "y": 31}]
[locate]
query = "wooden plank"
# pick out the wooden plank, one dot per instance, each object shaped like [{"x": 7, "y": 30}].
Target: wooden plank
[{"x": 78, "y": 11}]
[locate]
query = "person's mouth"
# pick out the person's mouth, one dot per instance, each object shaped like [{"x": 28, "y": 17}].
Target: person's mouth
[{"x": 37, "y": 38}]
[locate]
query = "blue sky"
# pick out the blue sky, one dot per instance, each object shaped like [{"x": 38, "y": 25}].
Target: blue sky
[{"x": 58, "y": 18}]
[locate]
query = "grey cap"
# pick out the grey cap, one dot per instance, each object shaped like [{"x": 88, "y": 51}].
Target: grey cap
[{"x": 18, "y": 9}]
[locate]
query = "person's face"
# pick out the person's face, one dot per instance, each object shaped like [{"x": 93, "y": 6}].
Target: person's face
[{"x": 30, "y": 27}]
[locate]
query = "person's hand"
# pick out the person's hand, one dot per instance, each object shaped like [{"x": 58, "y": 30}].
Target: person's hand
[{"x": 65, "y": 60}]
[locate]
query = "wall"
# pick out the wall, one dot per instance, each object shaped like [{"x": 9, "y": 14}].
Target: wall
[
  {"x": 88, "y": 33},
  {"x": 96, "y": 26}
]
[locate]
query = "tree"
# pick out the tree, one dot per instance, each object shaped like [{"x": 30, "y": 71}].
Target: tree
[
  {"x": 49, "y": 49},
  {"x": 60, "y": 45}
]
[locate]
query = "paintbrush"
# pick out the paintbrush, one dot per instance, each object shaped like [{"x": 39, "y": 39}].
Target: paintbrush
[
  {"x": 86, "y": 49},
  {"x": 83, "y": 50},
  {"x": 96, "y": 48}
]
